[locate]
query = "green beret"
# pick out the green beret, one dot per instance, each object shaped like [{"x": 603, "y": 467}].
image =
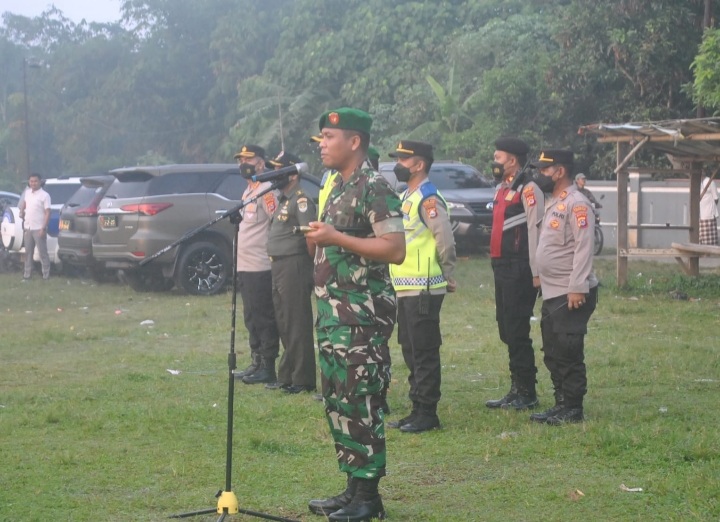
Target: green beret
[
  {"x": 347, "y": 119},
  {"x": 550, "y": 157}
]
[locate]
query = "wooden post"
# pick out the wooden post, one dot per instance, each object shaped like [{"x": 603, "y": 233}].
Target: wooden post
[
  {"x": 622, "y": 217},
  {"x": 695, "y": 181}
]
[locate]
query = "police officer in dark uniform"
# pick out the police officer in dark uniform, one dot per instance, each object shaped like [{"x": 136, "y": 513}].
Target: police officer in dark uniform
[
  {"x": 291, "y": 263},
  {"x": 517, "y": 211},
  {"x": 569, "y": 287}
]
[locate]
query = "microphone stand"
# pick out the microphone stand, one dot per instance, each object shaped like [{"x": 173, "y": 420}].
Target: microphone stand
[{"x": 227, "y": 500}]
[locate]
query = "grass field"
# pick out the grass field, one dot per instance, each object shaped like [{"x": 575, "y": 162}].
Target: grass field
[{"x": 94, "y": 427}]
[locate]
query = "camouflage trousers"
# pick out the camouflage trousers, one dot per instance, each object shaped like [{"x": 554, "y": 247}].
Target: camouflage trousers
[{"x": 352, "y": 375}]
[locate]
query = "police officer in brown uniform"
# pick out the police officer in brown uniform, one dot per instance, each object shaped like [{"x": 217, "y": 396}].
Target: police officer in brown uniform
[
  {"x": 291, "y": 263},
  {"x": 253, "y": 270},
  {"x": 517, "y": 211},
  {"x": 569, "y": 287}
]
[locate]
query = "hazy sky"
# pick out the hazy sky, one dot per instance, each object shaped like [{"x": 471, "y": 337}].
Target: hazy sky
[{"x": 76, "y": 10}]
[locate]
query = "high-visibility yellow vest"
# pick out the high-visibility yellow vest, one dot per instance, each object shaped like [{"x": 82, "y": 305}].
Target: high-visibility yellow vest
[
  {"x": 421, "y": 259},
  {"x": 328, "y": 182}
]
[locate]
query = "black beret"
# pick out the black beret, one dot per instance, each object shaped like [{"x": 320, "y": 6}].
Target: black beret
[
  {"x": 408, "y": 149},
  {"x": 285, "y": 159},
  {"x": 250, "y": 151},
  {"x": 550, "y": 157},
  {"x": 512, "y": 145}
]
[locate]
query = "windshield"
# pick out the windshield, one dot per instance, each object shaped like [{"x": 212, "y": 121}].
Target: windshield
[{"x": 452, "y": 177}]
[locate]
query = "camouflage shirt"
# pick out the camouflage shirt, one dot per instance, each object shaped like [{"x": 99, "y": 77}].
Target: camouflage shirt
[{"x": 351, "y": 289}]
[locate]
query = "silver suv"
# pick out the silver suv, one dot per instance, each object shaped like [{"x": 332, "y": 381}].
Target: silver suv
[{"x": 147, "y": 208}]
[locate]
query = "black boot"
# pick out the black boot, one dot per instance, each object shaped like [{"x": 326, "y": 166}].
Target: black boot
[
  {"x": 329, "y": 505},
  {"x": 365, "y": 505},
  {"x": 252, "y": 368},
  {"x": 405, "y": 420},
  {"x": 544, "y": 416},
  {"x": 526, "y": 398},
  {"x": 509, "y": 397},
  {"x": 265, "y": 373},
  {"x": 566, "y": 416},
  {"x": 426, "y": 419}
]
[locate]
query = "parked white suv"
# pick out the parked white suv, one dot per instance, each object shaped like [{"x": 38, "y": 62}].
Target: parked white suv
[{"x": 60, "y": 190}]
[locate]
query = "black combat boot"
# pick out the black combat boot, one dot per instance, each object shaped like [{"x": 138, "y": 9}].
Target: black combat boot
[
  {"x": 566, "y": 416},
  {"x": 326, "y": 506},
  {"x": 526, "y": 398},
  {"x": 405, "y": 420},
  {"x": 426, "y": 419},
  {"x": 365, "y": 505},
  {"x": 544, "y": 416},
  {"x": 265, "y": 373},
  {"x": 252, "y": 368},
  {"x": 509, "y": 397}
]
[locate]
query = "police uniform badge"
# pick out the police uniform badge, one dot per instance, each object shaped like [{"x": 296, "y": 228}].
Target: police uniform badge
[
  {"x": 554, "y": 224},
  {"x": 302, "y": 204},
  {"x": 406, "y": 208},
  {"x": 270, "y": 202},
  {"x": 581, "y": 216},
  {"x": 430, "y": 208},
  {"x": 529, "y": 194}
]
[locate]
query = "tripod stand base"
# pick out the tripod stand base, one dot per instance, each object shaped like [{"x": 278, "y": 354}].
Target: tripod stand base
[{"x": 227, "y": 502}]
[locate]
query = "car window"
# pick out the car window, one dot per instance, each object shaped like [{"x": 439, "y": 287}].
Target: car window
[
  {"x": 129, "y": 185},
  {"x": 83, "y": 196},
  {"x": 451, "y": 177},
  {"x": 184, "y": 183},
  {"x": 60, "y": 192},
  {"x": 232, "y": 187}
]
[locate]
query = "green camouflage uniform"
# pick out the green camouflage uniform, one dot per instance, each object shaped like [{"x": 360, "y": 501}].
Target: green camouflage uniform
[{"x": 355, "y": 310}]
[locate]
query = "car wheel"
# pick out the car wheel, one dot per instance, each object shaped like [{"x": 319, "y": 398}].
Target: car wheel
[
  {"x": 147, "y": 281},
  {"x": 203, "y": 269},
  {"x": 11, "y": 230}
]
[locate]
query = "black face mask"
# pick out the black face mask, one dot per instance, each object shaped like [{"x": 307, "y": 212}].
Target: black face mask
[
  {"x": 247, "y": 170},
  {"x": 498, "y": 171},
  {"x": 545, "y": 183},
  {"x": 402, "y": 173}
]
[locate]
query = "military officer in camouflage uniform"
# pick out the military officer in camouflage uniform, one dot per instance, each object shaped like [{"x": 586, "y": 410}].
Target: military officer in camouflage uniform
[
  {"x": 569, "y": 287},
  {"x": 291, "y": 264},
  {"x": 360, "y": 231}
]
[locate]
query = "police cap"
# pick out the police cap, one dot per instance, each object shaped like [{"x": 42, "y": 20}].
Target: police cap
[
  {"x": 408, "y": 149},
  {"x": 285, "y": 159},
  {"x": 250, "y": 151},
  {"x": 550, "y": 157}
]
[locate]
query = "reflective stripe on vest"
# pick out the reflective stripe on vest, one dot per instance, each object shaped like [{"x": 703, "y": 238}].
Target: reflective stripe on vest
[{"x": 420, "y": 246}]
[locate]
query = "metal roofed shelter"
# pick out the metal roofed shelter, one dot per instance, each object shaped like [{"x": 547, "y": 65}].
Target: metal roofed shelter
[{"x": 689, "y": 144}]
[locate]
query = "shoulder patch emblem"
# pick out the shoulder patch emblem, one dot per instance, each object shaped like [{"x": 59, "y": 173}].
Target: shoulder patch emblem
[
  {"x": 580, "y": 209},
  {"x": 563, "y": 195},
  {"x": 302, "y": 204},
  {"x": 430, "y": 206},
  {"x": 581, "y": 219},
  {"x": 529, "y": 194},
  {"x": 270, "y": 202}
]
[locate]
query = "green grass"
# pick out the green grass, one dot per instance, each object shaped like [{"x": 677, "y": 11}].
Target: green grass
[{"x": 93, "y": 427}]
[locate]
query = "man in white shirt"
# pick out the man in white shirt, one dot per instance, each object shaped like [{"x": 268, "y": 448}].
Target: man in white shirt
[
  {"x": 35, "y": 212},
  {"x": 708, "y": 212}
]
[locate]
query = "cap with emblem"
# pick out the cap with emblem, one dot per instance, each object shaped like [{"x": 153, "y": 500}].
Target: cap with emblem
[
  {"x": 408, "y": 149},
  {"x": 250, "y": 151},
  {"x": 512, "y": 145},
  {"x": 550, "y": 157},
  {"x": 284, "y": 159},
  {"x": 316, "y": 138},
  {"x": 346, "y": 118}
]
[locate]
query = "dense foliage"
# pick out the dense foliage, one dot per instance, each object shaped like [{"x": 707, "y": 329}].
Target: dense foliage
[{"x": 188, "y": 80}]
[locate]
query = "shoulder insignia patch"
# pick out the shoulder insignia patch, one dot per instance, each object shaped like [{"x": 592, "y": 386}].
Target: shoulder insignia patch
[
  {"x": 529, "y": 194},
  {"x": 270, "y": 202},
  {"x": 563, "y": 195},
  {"x": 302, "y": 204},
  {"x": 580, "y": 209},
  {"x": 430, "y": 206},
  {"x": 581, "y": 219}
]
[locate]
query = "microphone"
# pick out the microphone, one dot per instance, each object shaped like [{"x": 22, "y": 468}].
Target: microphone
[{"x": 298, "y": 168}]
